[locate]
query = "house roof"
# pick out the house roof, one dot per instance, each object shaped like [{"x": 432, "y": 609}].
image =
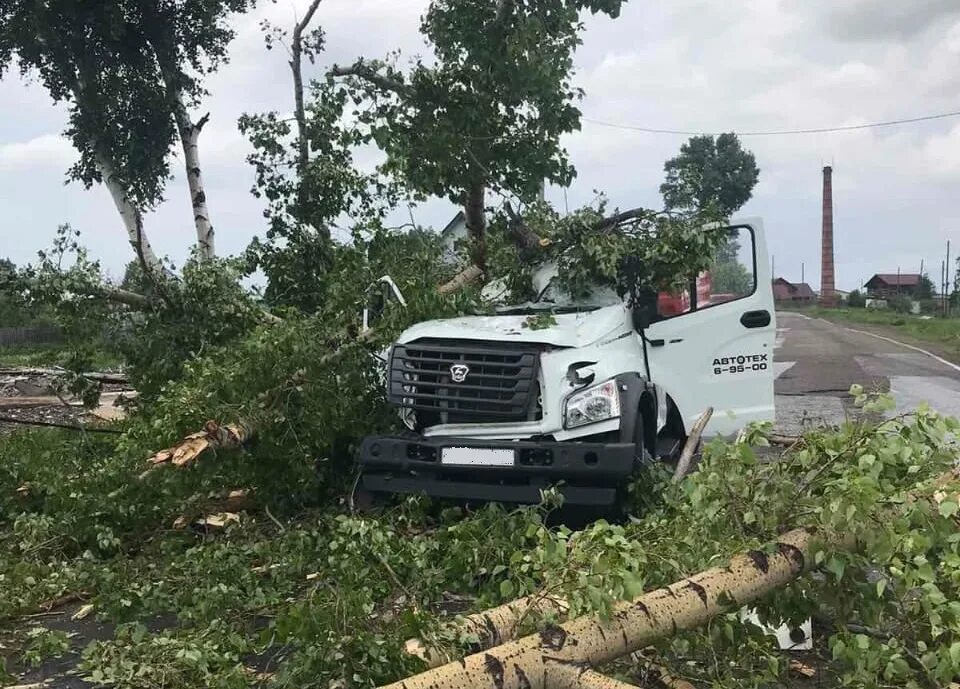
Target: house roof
[
  {"x": 457, "y": 219},
  {"x": 784, "y": 289},
  {"x": 894, "y": 280}
]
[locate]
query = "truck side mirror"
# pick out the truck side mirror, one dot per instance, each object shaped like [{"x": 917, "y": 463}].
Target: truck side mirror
[{"x": 644, "y": 309}]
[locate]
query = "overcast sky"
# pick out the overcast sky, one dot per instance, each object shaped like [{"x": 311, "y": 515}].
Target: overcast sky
[{"x": 703, "y": 65}]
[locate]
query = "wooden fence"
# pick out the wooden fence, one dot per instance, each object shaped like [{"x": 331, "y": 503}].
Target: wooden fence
[{"x": 44, "y": 334}]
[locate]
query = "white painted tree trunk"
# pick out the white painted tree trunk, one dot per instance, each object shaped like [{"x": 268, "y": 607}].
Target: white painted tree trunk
[{"x": 131, "y": 216}]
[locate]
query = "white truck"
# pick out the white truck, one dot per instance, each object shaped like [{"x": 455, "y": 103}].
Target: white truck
[{"x": 498, "y": 410}]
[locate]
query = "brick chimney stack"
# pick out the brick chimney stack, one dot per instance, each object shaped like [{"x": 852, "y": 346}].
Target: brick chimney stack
[{"x": 828, "y": 295}]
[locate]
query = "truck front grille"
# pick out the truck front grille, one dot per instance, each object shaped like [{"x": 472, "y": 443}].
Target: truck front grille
[{"x": 462, "y": 381}]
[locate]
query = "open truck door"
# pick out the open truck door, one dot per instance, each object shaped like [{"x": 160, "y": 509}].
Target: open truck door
[{"x": 719, "y": 352}]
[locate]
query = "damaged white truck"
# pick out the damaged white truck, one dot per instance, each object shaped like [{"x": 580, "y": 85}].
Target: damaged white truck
[{"x": 498, "y": 410}]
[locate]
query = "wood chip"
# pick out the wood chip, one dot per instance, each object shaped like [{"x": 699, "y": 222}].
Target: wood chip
[
  {"x": 219, "y": 521},
  {"x": 82, "y": 612},
  {"x": 802, "y": 669}
]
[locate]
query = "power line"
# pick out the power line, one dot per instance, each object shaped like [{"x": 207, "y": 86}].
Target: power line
[{"x": 781, "y": 132}]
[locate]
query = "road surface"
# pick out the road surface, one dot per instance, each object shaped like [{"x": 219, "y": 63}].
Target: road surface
[{"x": 816, "y": 362}]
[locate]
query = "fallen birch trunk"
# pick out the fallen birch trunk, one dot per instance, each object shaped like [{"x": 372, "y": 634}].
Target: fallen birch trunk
[
  {"x": 491, "y": 627},
  {"x": 560, "y": 656}
]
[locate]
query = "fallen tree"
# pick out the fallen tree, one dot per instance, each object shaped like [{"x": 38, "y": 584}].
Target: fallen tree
[
  {"x": 837, "y": 477},
  {"x": 562, "y": 656}
]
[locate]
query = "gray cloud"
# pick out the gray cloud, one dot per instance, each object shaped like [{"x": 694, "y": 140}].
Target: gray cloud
[{"x": 884, "y": 19}]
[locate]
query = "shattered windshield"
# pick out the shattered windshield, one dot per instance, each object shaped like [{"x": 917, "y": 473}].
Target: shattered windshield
[{"x": 553, "y": 297}]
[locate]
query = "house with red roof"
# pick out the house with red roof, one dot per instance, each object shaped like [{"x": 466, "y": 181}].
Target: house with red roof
[
  {"x": 890, "y": 285},
  {"x": 794, "y": 292}
]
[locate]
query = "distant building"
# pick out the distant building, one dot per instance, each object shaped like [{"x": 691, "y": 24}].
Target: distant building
[
  {"x": 889, "y": 285},
  {"x": 796, "y": 293},
  {"x": 455, "y": 230}
]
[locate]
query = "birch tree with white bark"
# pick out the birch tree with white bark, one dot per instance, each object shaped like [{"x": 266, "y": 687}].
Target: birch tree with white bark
[{"x": 130, "y": 73}]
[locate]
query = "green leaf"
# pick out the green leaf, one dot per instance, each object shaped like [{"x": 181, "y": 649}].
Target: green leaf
[
  {"x": 955, "y": 654},
  {"x": 881, "y": 587},
  {"x": 836, "y": 566},
  {"x": 948, "y": 508},
  {"x": 506, "y": 588}
]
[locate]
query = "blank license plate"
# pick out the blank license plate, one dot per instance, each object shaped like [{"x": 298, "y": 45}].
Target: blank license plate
[{"x": 474, "y": 456}]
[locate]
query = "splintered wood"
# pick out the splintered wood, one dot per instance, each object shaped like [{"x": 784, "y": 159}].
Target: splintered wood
[{"x": 212, "y": 437}]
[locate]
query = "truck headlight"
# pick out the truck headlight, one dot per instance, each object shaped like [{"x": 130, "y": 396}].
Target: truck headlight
[{"x": 599, "y": 403}]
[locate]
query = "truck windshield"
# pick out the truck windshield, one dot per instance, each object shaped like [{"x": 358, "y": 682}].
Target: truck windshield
[{"x": 555, "y": 298}]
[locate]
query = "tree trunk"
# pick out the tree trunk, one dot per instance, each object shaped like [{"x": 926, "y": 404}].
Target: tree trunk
[
  {"x": 473, "y": 210},
  {"x": 189, "y": 131},
  {"x": 543, "y": 660},
  {"x": 130, "y": 214},
  {"x": 470, "y": 274},
  {"x": 492, "y": 627},
  {"x": 189, "y": 137},
  {"x": 300, "y": 114}
]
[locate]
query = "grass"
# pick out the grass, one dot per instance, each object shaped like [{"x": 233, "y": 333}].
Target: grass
[
  {"x": 45, "y": 355},
  {"x": 943, "y": 332},
  {"x": 316, "y": 597}
]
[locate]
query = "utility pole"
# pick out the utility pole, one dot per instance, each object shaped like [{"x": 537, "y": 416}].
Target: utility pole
[
  {"x": 943, "y": 286},
  {"x": 946, "y": 301},
  {"x": 803, "y": 274}
]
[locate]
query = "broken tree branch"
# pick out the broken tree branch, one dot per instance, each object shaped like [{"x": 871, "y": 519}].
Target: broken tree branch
[
  {"x": 465, "y": 277},
  {"x": 234, "y": 436},
  {"x": 212, "y": 437},
  {"x": 526, "y": 239},
  {"x": 362, "y": 70},
  {"x": 65, "y": 426},
  {"x": 683, "y": 464},
  {"x": 542, "y": 660},
  {"x": 617, "y": 218}
]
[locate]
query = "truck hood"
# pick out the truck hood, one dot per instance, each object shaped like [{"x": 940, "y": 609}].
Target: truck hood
[{"x": 570, "y": 330}]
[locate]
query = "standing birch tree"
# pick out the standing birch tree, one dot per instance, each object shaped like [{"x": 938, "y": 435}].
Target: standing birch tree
[{"x": 129, "y": 73}]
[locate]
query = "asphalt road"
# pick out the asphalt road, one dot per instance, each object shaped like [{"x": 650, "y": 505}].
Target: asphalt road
[{"x": 816, "y": 362}]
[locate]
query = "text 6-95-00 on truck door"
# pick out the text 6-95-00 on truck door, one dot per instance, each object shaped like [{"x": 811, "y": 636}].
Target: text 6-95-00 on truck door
[{"x": 498, "y": 411}]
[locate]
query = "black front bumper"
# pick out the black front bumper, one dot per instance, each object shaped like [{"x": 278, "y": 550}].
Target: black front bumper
[{"x": 591, "y": 473}]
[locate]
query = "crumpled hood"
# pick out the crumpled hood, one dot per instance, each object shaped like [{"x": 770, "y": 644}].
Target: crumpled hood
[{"x": 571, "y": 329}]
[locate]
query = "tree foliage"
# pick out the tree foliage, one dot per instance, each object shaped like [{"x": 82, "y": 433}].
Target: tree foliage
[
  {"x": 925, "y": 288},
  {"x": 105, "y": 60},
  {"x": 856, "y": 299},
  {"x": 489, "y": 112},
  {"x": 13, "y": 308},
  {"x": 127, "y": 71},
  {"x": 713, "y": 176}
]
